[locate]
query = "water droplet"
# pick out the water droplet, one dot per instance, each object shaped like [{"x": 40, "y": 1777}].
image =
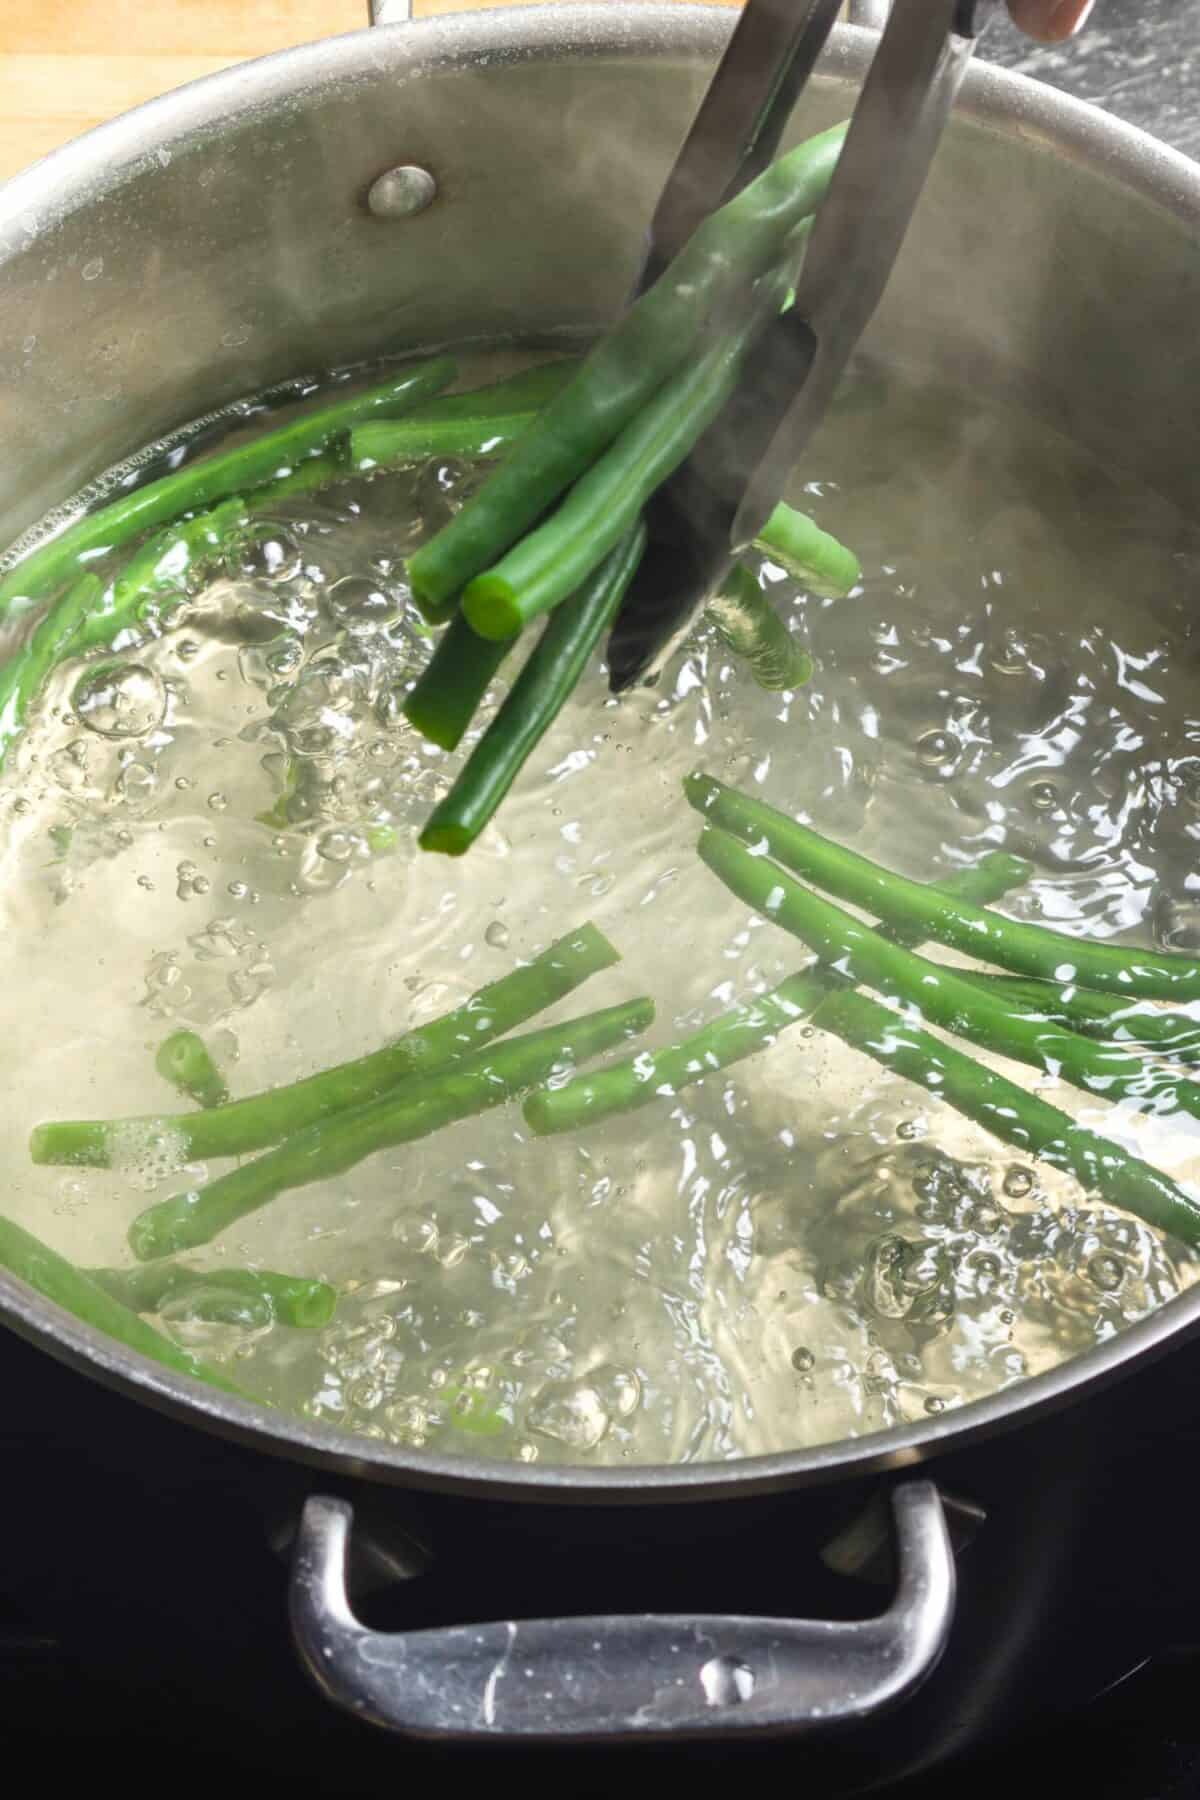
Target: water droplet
[
  {"x": 217, "y": 802},
  {"x": 908, "y": 1129},
  {"x": 120, "y": 700},
  {"x": 803, "y": 1360},
  {"x": 497, "y": 935},
  {"x": 93, "y": 268},
  {"x": 1043, "y": 796},
  {"x": 1018, "y": 1182},
  {"x": 934, "y": 1405}
]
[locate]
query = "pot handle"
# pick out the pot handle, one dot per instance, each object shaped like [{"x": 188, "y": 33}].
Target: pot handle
[{"x": 636, "y": 1677}]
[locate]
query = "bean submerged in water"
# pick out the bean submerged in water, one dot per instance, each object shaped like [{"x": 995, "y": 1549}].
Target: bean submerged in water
[
  {"x": 240, "y": 1126},
  {"x": 197, "y": 485},
  {"x": 478, "y": 1082},
  {"x": 1025, "y": 949}
]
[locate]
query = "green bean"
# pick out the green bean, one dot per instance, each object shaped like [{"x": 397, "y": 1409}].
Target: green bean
[
  {"x": 740, "y": 1032},
  {"x": 1141, "y": 1023},
  {"x": 211, "y": 478},
  {"x": 478, "y": 423},
  {"x": 251, "y": 1124},
  {"x": 815, "y": 559},
  {"x": 606, "y": 502},
  {"x": 254, "y": 1297},
  {"x": 657, "y": 336},
  {"x": 185, "y": 1061},
  {"x": 1025, "y": 949},
  {"x": 453, "y": 683},
  {"x": 471, "y": 1086},
  {"x": 62, "y": 1283},
  {"x": 538, "y": 695},
  {"x": 1011, "y": 1114},
  {"x": 22, "y": 675},
  {"x": 158, "y": 572},
  {"x": 307, "y": 477},
  {"x": 746, "y": 621},
  {"x": 945, "y": 996}
]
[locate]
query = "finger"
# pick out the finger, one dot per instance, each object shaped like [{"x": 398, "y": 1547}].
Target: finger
[{"x": 1050, "y": 21}]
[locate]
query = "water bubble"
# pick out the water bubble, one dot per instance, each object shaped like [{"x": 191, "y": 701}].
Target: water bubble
[
  {"x": 1043, "y": 796},
  {"x": 908, "y": 1129},
  {"x": 360, "y": 603},
  {"x": 497, "y": 935},
  {"x": 136, "y": 784},
  {"x": 934, "y": 1405},
  {"x": 69, "y": 766},
  {"x": 1018, "y": 1182},
  {"x": 803, "y": 1360},
  {"x": 274, "y": 556},
  {"x": 120, "y": 700},
  {"x": 442, "y": 488},
  {"x": 1107, "y": 1272},
  {"x": 337, "y": 846},
  {"x": 935, "y": 748},
  {"x": 572, "y": 1413},
  {"x": 217, "y": 802}
]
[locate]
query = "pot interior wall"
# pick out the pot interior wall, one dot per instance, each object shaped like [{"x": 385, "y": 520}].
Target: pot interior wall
[{"x": 219, "y": 241}]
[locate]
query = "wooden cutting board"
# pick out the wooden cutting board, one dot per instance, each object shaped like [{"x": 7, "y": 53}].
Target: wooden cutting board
[{"x": 71, "y": 64}]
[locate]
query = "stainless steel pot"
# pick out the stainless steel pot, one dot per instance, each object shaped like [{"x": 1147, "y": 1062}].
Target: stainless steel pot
[{"x": 485, "y": 175}]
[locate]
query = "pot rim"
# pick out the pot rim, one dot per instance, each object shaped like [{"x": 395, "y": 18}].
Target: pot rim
[{"x": 100, "y": 161}]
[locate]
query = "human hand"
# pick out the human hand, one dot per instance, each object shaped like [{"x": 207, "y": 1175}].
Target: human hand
[{"x": 1049, "y": 20}]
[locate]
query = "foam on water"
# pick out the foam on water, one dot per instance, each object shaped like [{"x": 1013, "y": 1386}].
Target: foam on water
[{"x": 217, "y": 828}]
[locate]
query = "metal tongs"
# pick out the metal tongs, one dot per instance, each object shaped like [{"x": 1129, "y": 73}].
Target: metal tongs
[{"x": 702, "y": 519}]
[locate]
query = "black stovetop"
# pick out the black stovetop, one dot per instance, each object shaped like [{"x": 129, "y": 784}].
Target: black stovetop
[{"x": 171, "y": 1690}]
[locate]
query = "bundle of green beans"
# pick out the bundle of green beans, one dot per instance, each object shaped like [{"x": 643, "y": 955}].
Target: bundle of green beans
[
  {"x": 556, "y": 529},
  {"x": 1047, "y": 1015}
]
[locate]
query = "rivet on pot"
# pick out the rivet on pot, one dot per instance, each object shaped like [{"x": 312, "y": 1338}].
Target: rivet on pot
[{"x": 401, "y": 192}]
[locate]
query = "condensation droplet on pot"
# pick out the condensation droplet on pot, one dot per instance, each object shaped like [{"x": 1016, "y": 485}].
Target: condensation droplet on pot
[
  {"x": 120, "y": 700},
  {"x": 1018, "y": 1182},
  {"x": 497, "y": 935},
  {"x": 803, "y": 1360}
]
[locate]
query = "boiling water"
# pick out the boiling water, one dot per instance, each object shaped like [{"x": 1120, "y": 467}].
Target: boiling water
[{"x": 221, "y": 833}]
